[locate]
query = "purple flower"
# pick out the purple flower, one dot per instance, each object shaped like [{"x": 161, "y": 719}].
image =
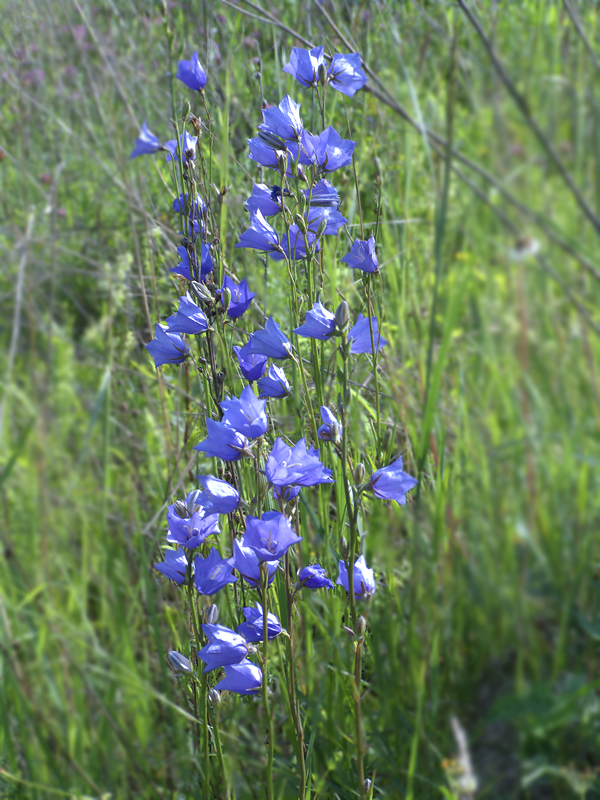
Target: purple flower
[
  {"x": 174, "y": 566},
  {"x": 166, "y": 347},
  {"x": 360, "y": 335},
  {"x": 224, "y": 647},
  {"x": 192, "y": 73},
  {"x": 362, "y": 256},
  {"x": 251, "y": 364},
  {"x": 188, "y": 146},
  {"x": 333, "y": 220},
  {"x": 180, "y": 663},
  {"x": 253, "y": 629},
  {"x": 198, "y": 211},
  {"x": 191, "y": 531},
  {"x": 191, "y": 273},
  {"x": 241, "y": 297},
  {"x": 330, "y": 151},
  {"x": 146, "y": 144},
  {"x": 296, "y": 250},
  {"x": 364, "y": 578},
  {"x": 246, "y": 562},
  {"x": 246, "y": 414},
  {"x": 286, "y": 493},
  {"x": 319, "y": 323},
  {"x": 188, "y": 319},
  {"x": 298, "y": 152},
  {"x": 270, "y": 537},
  {"x": 260, "y": 235},
  {"x": 212, "y": 573},
  {"x": 314, "y": 577},
  {"x": 304, "y": 65},
  {"x": 323, "y": 195},
  {"x": 243, "y": 678},
  {"x": 269, "y": 341},
  {"x": 283, "y": 120},
  {"x": 222, "y": 442},
  {"x": 298, "y": 465},
  {"x": 391, "y": 483},
  {"x": 346, "y": 74},
  {"x": 261, "y": 200},
  {"x": 218, "y": 497},
  {"x": 330, "y": 430},
  {"x": 275, "y": 384}
]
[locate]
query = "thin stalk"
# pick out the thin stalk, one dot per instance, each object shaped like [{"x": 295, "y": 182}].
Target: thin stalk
[
  {"x": 265, "y": 689},
  {"x": 294, "y": 706},
  {"x": 358, "y": 719}
]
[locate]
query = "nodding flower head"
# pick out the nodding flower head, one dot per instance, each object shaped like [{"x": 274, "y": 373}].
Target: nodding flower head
[
  {"x": 364, "y": 578},
  {"x": 223, "y": 442},
  {"x": 304, "y": 65},
  {"x": 295, "y": 466},
  {"x": 166, "y": 347},
  {"x": 212, "y": 573},
  {"x": 146, "y": 144},
  {"x": 346, "y": 74},
  {"x": 192, "y": 73},
  {"x": 362, "y": 256},
  {"x": 270, "y": 536},
  {"x": 392, "y": 483}
]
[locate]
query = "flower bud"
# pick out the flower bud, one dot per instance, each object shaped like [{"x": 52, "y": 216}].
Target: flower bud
[
  {"x": 342, "y": 316},
  {"x": 335, "y": 432},
  {"x": 271, "y": 140},
  {"x": 180, "y": 663},
  {"x": 361, "y": 626},
  {"x": 212, "y": 614},
  {"x": 187, "y": 110},
  {"x": 181, "y": 509},
  {"x": 322, "y": 74},
  {"x": 226, "y": 298},
  {"x": 387, "y": 438},
  {"x": 321, "y": 228},
  {"x": 349, "y": 631},
  {"x": 282, "y": 161},
  {"x": 300, "y": 222},
  {"x": 215, "y": 697},
  {"x": 344, "y": 548},
  {"x": 201, "y": 292},
  {"x": 302, "y": 203},
  {"x": 359, "y": 474},
  {"x": 367, "y": 784}
]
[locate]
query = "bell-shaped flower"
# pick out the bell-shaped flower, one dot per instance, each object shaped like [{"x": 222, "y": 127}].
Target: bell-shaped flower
[
  {"x": 188, "y": 318},
  {"x": 246, "y": 414},
  {"x": 252, "y": 365},
  {"x": 253, "y": 628},
  {"x": 304, "y": 65},
  {"x": 146, "y": 144},
  {"x": 286, "y": 493},
  {"x": 331, "y": 430},
  {"x": 260, "y": 235},
  {"x": 222, "y": 442},
  {"x": 246, "y": 562},
  {"x": 297, "y": 466},
  {"x": 217, "y": 496},
  {"x": 262, "y": 200},
  {"x": 192, "y": 73},
  {"x": 274, "y": 384},
  {"x": 360, "y": 336},
  {"x": 180, "y": 663},
  {"x": 224, "y": 647},
  {"x": 319, "y": 323},
  {"x": 240, "y": 297},
  {"x": 364, "y": 578},
  {"x": 270, "y": 341},
  {"x": 243, "y": 678},
  {"x": 330, "y": 151},
  {"x": 212, "y": 573},
  {"x": 294, "y": 245},
  {"x": 392, "y": 483},
  {"x": 196, "y": 212},
  {"x": 188, "y": 267},
  {"x": 270, "y": 536},
  {"x": 362, "y": 256},
  {"x": 174, "y": 566},
  {"x": 167, "y": 347},
  {"x": 346, "y": 74},
  {"x": 191, "y": 531},
  {"x": 333, "y": 220},
  {"x": 314, "y": 577},
  {"x": 299, "y": 153},
  {"x": 322, "y": 195},
  {"x": 188, "y": 145},
  {"x": 283, "y": 120}
]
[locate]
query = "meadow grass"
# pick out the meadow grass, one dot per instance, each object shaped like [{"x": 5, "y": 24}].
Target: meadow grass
[{"x": 490, "y": 389}]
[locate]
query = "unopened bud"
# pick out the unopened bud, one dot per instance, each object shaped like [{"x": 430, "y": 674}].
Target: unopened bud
[
  {"x": 335, "y": 432},
  {"x": 387, "y": 438},
  {"x": 302, "y": 203},
  {"x": 212, "y": 614},
  {"x": 347, "y": 398},
  {"x": 180, "y": 663},
  {"x": 367, "y": 784},
  {"x": 181, "y": 509},
  {"x": 215, "y": 697},
  {"x": 321, "y": 228},
  {"x": 342, "y": 316},
  {"x": 322, "y": 74},
  {"x": 201, "y": 292},
  {"x": 361, "y": 626},
  {"x": 349, "y": 631},
  {"x": 359, "y": 474},
  {"x": 282, "y": 161},
  {"x": 226, "y": 298},
  {"x": 300, "y": 222},
  {"x": 187, "y": 110},
  {"x": 271, "y": 140}
]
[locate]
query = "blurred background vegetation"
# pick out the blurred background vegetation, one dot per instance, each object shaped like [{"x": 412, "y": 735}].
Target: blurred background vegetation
[{"x": 490, "y": 305}]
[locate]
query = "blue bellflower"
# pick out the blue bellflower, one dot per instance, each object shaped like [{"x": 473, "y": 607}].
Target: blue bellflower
[
  {"x": 222, "y": 442},
  {"x": 331, "y": 430},
  {"x": 392, "y": 483},
  {"x": 333, "y": 220},
  {"x": 192, "y": 73},
  {"x": 241, "y": 297},
  {"x": 314, "y": 577},
  {"x": 270, "y": 341},
  {"x": 319, "y": 323},
  {"x": 274, "y": 384},
  {"x": 174, "y": 566},
  {"x": 300, "y": 152},
  {"x": 360, "y": 335},
  {"x": 346, "y": 74},
  {"x": 212, "y": 573},
  {"x": 246, "y": 414},
  {"x": 323, "y": 195},
  {"x": 330, "y": 151},
  {"x": 246, "y": 562},
  {"x": 252, "y": 365},
  {"x": 243, "y": 678},
  {"x": 295, "y": 466},
  {"x": 253, "y": 630},
  {"x": 190, "y": 532},
  {"x": 217, "y": 496},
  {"x": 166, "y": 347},
  {"x": 188, "y": 145},
  {"x": 188, "y": 318},
  {"x": 262, "y": 200},
  {"x": 146, "y": 144},
  {"x": 304, "y": 65},
  {"x": 362, "y": 256},
  {"x": 199, "y": 210},
  {"x": 180, "y": 663},
  {"x": 283, "y": 120},
  {"x": 294, "y": 247},
  {"x": 260, "y": 235},
  {"x": 188, "y": 268},
  {"x": 364, "y": 579},
  {"x": 224, "y": 647},
  {"x": 270, "y": 537}
]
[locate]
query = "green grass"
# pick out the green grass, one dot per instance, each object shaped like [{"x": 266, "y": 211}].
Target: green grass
[{"x": 493, "y": 603}]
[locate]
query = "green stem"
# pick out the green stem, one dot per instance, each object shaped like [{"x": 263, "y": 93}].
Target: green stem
[
  {"x": 265, "y": 689},
  {"x": 358, "y": 718},
  {"x": 294, "y": 705}
]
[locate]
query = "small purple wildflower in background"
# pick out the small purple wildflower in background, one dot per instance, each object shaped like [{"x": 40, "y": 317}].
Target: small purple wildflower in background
[
  {"x": 217, "y": 497},
  {"x": 270, "y": 537},
  {"x": 331, "y": 430},
  {"x": 146, "y": 144},
  {"x": 319, "y": 323},
  {"x": 333, "y": 220},
  {"x": 283, "y": 120},
  {"x": 252, "y": 629},
  {"x": 274, "y": 384},
  {"x": 246, "y": 562},
  {"x": 167, "y": 348},
  {"x": 304, "y": 65},
  {"x": 346, "y": 74},
  {"x": 364, "y": 578},
  {"x": 188, "y": 318},
  {"x": 212, "y": 573},
  {"x": 298, "y": 465},
  {"x": 241, "y": 297},
  {"x": 270, "y": 341},
  {"x": 252, "y": 365},
  {"x": 260, "y": 235},
  {"x": 174, "y": 566},
  {"x": 190, "y": 532},
  {"x": 188, "y": 144},
  {"x": 330, "y": 151},
  {"x": 192, "y": 73},
  {"x": 243, "y": 678},
  {"x": 224, "y": 647},
  {"x": 296, "y": 250},
  {"x": 360, "y": 335},
  {"x": 314, "y": 577},
  {"x": 222, "y": 442},
  {"x": 362, "y": 256},
  {"x": 392, "y": 483},
  {"x": 261, "y": 200},
  {"x": 180, "y": 663},
  {"x": 246, "y": 414}
]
